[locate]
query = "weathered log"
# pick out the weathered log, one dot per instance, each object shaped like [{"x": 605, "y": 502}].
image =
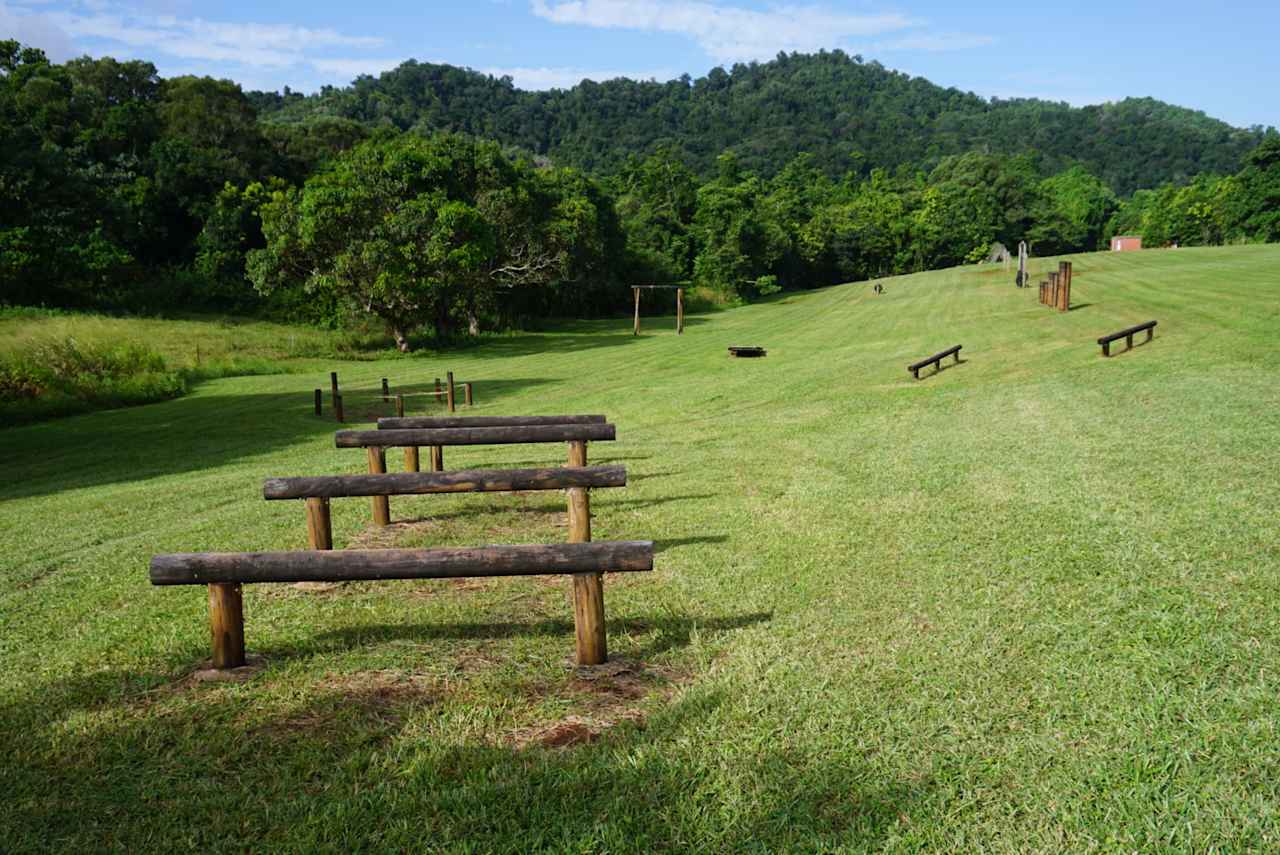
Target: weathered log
[
  {"x": 460, "y": 481},
  {"x": 501, "y": 435},
  {"x": 424, "y": 422},
  {"x": 319, "y": 524},
  {"x": 226, "y": 625},
  {"x": 351, "y": 565},
  {"x": 381, "y": 504}
]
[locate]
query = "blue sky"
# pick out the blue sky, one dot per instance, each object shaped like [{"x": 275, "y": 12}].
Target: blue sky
[{"x": 1222, "y": 59}]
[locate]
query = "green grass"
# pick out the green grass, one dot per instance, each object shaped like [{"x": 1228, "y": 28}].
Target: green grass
[{"x": 1028, "y": 604}]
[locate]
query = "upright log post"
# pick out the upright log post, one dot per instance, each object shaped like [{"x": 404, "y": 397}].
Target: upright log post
[
  {"x": 337, "y": 408},
  {"x": 1064, "y": 286},
  {"x": 437, "y": 390},
  {"x": 319, "y": 402},
  {"x": 588, "y": 588},
  {"x": 226, "y": 625},
  {"x": 386, "y": 390},
  {"x": 319, "y": 524},
  {"x": 679, "y": 311},
  {"x": 399, "y": 406},
  {"x": 381, "y": 504},
  {"x": 333, "y": 384},
  {"x": 636, "y": 330},
  {"x": 410, "y": 451},
  {"x": 437, "y": 458},
  {"x": 466, "y": 392},
  {"x": 449, "y": 391}
]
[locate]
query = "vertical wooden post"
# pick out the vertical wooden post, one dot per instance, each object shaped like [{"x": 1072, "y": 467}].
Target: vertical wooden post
[
  {"x": 679, "y": 311},
  {"x": 399, "y": 406},
  {"x": 319, "y": 524},
  {"x": 319, "y": 402},
  {"x": 449, "y": 394},
  {"x": 333, "y": 388},
  {"x": 381, "y": 504},
  {"x": 1066, "y": 286},
  {"x": 437, "y": 458},
  {"x": 588, "y": 588},
  {"x": 337, "y": 408},
  {"x": 437, "y": 390},
  {"x": 636, "y": 291},
  {"x": 386, "y": 390},
  {"x": 226, "y": 625},
  {"x": 466, "y": 392}
]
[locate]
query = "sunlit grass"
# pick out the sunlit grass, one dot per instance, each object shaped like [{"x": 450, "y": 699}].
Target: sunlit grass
[{"x": 1026, "y": 604}]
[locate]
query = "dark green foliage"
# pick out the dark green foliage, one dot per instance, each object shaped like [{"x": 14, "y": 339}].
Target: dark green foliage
[{"x": 828, "y": 104}]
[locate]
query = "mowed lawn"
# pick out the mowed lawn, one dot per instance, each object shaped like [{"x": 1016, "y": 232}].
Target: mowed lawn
[{"x": 1028, "y": 604}]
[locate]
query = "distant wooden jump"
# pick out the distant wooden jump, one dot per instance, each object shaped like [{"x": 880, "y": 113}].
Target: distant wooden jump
[
  {"x": 1127, "y": 334},
  {"x": 748, "y": 351},
  {"x": 636, "y": 289},
  {"x": 936, "y": 360}
]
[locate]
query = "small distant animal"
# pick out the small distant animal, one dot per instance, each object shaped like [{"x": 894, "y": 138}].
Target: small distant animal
[{"x": 879, "y": 289}]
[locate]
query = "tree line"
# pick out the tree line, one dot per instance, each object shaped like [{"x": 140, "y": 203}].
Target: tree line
[{"x": 122, "y": 190}]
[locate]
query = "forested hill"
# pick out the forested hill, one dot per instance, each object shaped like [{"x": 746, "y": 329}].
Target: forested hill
[{"x": 845, "y": 112}]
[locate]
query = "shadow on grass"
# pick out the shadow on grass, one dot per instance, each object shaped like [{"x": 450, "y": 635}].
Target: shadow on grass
[
  {"x": 348, "y": 765},
  {"x": 192, "y": 433},
  {"x": 1077, "y": 306}
]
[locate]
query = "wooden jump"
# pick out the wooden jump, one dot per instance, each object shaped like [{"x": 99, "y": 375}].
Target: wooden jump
[
  {"x": 496, "y": 435},
  {"x": 225, "y": 573},
  {"x": 1127, "y": 334},
  {"x": 748, "y": 351},
  {"x": 679, "y": 289},
  {"x": 936, "y": 360},
  {"x": 417, "y": 422},
  {"x": 458, "y": 481}
]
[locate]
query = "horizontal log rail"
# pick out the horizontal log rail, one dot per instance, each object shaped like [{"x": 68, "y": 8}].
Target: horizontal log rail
[
  {"x": 429, "y": 422},
  {"x": 936, "y": 359},
  {"x": 459, "y": 481},
  {"x": 1127, "y": 333},
  {"x": 502, "y": 435},
  {"x": 368, "y": 565}
]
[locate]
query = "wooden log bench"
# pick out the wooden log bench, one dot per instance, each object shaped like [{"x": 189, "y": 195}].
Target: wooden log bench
[
  {"x": 936, "y": 360},
  {"x": 748, "y": 351},
  {"x": 1127, "y": 334},
  {"x": 376, "y": 443},
  {"x": 437, "y": 452},
  {"x": 225, "y": 573}
]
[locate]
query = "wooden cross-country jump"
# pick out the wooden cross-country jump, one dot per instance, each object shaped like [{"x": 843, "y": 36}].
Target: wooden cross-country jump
[{"x": 679, "y": 289}]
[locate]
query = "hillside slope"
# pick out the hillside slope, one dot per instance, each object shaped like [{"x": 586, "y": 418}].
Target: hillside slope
[
  {"x": 1026, "y": 604},
  {"x": 845, "y": 112}
]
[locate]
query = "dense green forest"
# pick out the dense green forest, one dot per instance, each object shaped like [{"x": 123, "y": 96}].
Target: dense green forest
[
  {"x": 437, "y": 198},
  {"x": 846, "y": 113}
]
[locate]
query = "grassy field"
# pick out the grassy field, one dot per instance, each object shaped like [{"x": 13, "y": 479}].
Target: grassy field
[{"x": 1028, "y": 604}]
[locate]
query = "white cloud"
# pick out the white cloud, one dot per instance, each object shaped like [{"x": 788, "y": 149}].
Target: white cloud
[
  {"x": 727, "y": 33},
  {"x": 35, "y": 30},
  {"x": 567, "y": 78}
]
